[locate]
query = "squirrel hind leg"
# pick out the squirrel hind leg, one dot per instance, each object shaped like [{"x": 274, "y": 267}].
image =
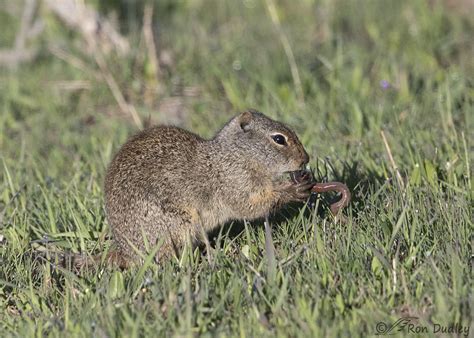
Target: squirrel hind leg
[{"x": 163, "y": 229}]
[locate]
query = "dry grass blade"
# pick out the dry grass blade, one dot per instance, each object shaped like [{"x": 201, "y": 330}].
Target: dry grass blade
[
  {"x": 288, "y": 51},
  {"x": 116, "y": 92},
  {"x": 150, "y": 40},
  {"x": 392, "y": 161},
  {"x": 20, "y": 53},
  {"x": 270, "y": 251},
  {"x": 98, "y": 31}
]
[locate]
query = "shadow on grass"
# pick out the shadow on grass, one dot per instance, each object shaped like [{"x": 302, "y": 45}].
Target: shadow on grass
[{"x": 360, "y": 183}]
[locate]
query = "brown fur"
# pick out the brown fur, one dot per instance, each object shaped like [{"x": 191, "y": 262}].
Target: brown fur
[{"x": 165, "y": 183}]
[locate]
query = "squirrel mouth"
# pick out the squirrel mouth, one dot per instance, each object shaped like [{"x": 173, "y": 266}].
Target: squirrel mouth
[{"x": 299, "y": 176}]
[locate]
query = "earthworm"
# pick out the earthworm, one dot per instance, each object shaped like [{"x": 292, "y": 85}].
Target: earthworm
[
  {"x": 300, "y": 176},
  {"x": 334, "y": 186}
]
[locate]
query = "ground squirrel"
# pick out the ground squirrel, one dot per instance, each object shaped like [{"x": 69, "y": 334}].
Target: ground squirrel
[{"x": 166, "y": 184}]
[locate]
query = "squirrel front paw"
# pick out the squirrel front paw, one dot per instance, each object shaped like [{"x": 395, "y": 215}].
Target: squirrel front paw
[{"x": 300, "y": 191}]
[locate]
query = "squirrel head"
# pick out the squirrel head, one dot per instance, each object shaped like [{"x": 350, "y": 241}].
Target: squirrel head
[{"x": 264, "y": 142}]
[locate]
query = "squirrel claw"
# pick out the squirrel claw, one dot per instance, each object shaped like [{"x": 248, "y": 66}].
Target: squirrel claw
[
  {"x": 299, "y": 191},
  {"x": 303, "y": 190}
]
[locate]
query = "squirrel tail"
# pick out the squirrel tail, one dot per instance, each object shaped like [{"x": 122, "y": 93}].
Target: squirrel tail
[{"x": 78, "y": 262}]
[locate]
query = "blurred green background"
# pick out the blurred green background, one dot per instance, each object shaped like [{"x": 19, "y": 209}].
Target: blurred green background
[{"x": 339, "y": 72}]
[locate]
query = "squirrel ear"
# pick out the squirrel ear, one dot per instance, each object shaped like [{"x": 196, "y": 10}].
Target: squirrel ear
[{"x": 244, "y": 120}]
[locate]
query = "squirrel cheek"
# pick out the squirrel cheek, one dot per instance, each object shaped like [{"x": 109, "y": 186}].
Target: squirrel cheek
[{"x": 294, "y": 164}]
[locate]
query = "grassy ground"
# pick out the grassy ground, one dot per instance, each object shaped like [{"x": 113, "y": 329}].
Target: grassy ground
[{"x": 404, "y": 67}]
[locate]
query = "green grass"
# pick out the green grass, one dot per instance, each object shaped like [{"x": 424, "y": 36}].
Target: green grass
[{"x": 404, "y": 251}]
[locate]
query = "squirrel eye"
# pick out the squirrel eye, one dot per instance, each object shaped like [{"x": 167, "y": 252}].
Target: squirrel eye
[{"x": 280, "y": 139}]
